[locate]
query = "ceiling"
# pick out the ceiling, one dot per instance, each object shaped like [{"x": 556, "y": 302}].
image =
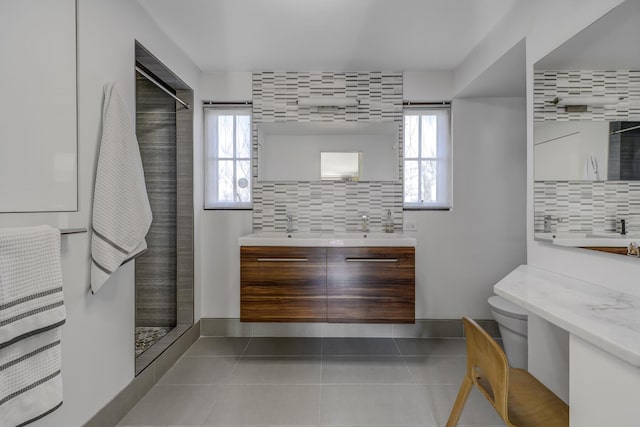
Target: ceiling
[
  {"x": 316, "y": 35},
  {"x": 610, "y": 43}
]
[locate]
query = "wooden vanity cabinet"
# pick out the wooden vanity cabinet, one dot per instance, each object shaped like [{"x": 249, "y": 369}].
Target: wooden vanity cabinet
[
  {"x": 318, "y": 284},
  {"x": 371, "y": 285},
  {"x": 283, "y": 284}
]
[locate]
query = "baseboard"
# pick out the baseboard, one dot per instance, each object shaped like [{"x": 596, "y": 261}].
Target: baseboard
[
  {"x": 423, "y": 328},
  {"x": 121, "y": 404}
]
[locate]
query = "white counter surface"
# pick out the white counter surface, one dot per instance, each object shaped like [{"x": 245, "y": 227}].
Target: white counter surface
[
  {"x": 353, "y": 239},
  {"x": 604, "y": 317}
]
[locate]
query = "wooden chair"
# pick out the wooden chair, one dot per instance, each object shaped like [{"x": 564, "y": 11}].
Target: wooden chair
[{"x": 518, "y": 397}]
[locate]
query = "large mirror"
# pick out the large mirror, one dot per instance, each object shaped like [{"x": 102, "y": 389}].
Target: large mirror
[
  {"x": 38, "y": 156},
  {"x": 294, "y": 151},
  {"x": 586, "y": 134}
]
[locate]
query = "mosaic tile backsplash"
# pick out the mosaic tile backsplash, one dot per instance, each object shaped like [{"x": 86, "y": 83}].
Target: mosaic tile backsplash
[
  {"x": 325, "y": 206},
  {"x": 587, "y": 205},
  {"x": 548, "y": 85}
]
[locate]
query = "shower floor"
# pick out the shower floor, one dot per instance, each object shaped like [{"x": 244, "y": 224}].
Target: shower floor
[{"x": 146, "y": 336}]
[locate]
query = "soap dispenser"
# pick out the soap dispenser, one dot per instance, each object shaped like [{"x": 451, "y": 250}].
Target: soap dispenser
[{"x": 388, "y": 222}]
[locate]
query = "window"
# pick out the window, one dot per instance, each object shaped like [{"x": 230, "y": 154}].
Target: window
[
  {"x": 427, "y": 158},
  {"x": 228, "y": 158}
]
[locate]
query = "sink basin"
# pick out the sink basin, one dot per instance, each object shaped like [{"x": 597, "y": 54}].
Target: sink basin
[
  {"x": 324, "y": 239},
  {"x": 287, "y": 235}
]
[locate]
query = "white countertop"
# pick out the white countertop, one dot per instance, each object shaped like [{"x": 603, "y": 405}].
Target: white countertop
[
  {"x": 604, "y": 317},
  {"x": 353, "y": 239},
  {"x": 585, "y": 240}
]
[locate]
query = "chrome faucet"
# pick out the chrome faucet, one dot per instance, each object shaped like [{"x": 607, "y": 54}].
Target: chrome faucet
[
  {"x": 364, "y": 224},
  {"x": 547, "y": 223},
  {"x": 289, "y": 223}
]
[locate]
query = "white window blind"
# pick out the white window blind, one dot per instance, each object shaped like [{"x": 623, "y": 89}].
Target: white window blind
[
  {"x": 427, "y": 158},
  {"x": 227, "y": 158}
]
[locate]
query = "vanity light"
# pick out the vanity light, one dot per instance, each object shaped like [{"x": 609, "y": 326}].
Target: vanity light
[
  {"x": 328, "y": 101},
  {"x": 579, "y": 104}
]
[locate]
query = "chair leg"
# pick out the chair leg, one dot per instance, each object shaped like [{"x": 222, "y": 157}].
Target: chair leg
[{"x": 458, "y": 405}]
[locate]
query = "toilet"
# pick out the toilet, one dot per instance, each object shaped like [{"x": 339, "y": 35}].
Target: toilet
[{"x": 512, "y": 321}]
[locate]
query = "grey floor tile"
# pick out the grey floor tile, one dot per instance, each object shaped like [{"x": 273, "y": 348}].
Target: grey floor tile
[
  {"x": 477, "y": 411},
  {"x": 359, "y": 347},
  {"x": 277, "y": 370},
  {"x": 364, "y": 370},
  {"x": 280, "y": 346},
  {"x": 432, "y": 346},
  {"x": 172, "y": 405},
  {"x": 218, "y": 346},
  {"x": 437, "y": 370},
  {"x": 374, "y": 405},
  {"x": 249, "y": 405},
  {"x": 200, "y": 370}
]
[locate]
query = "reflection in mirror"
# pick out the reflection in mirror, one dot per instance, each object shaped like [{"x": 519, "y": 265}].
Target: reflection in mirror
[
  {"x": 340, "y": 166},
  {"x": 587, "y": 172},
  {"x": 582, "y": 150},
  {"x": 624, "y": 151}
]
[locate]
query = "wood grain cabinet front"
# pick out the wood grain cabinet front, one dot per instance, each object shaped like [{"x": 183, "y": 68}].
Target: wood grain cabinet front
[
  {"x": 371, "y": 284},
  {"x": 316, "y": 284},
  {"x": 283, "y": 284}
]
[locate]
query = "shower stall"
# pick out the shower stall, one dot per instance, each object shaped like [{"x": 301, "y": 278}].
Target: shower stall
[{"x": 164, "y": 274}]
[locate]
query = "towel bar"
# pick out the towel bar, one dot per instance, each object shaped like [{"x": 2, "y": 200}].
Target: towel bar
[{"x": 72, "y": 230}]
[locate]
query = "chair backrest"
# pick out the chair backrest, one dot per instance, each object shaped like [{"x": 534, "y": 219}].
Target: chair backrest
[{"x": 487, "y": 366}]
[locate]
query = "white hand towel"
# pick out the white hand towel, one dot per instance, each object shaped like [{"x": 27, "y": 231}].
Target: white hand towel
[
  {"x": 32, "y": 313},
  {"x": 121, "y": 210},
  {"x": 590, "y": 171}
]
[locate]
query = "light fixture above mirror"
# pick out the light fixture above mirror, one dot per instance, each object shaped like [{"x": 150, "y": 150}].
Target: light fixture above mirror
[
  {"x": 579, "y": 104},
  {"x": 328, "y": 101}
]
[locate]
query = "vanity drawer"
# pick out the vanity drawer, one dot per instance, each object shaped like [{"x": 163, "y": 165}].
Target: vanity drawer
[
  {"x": 280, "y": 284},
  {"x": 371, "y": 284}
]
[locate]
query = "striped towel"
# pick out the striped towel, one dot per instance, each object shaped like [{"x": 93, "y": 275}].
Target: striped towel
[
  {"x": 121, "y": 210},
  {"x": 32, "y": 313}
]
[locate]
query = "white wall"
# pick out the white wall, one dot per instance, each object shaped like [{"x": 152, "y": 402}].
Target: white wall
[
  {"x": 221, "y": 267},
  {"x": 427, "y": 86},
  {"x": 462, "y": 253},
  {"x": 97, "y": 343},
  {"x": 226, "y": 87}
]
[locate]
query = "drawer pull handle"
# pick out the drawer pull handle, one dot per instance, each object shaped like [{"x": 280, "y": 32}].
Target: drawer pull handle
[
  {"x": 371, "y": 259},
  {"x": 283, "y": 259}
]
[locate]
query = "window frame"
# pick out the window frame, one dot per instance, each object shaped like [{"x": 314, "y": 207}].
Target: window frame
[
  {"x": 444, "y": 176},
  {"x": 212, "y": 161}
]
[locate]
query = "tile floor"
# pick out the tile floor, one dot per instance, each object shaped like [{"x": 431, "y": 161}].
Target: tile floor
[{"x": 313, "y": 382}]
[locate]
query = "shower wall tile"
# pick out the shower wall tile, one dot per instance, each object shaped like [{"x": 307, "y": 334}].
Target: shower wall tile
[
  {"x": 316, "y": 205},
  {"x": 587, "y": 205},
  {"x": 156, "y": 270}
]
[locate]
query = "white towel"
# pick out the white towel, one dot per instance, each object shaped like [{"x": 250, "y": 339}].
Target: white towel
[
  {"x": 121, "y": 210},
  {"x": 32, "y": 313},
  {"x": 590, "y": 171}
]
